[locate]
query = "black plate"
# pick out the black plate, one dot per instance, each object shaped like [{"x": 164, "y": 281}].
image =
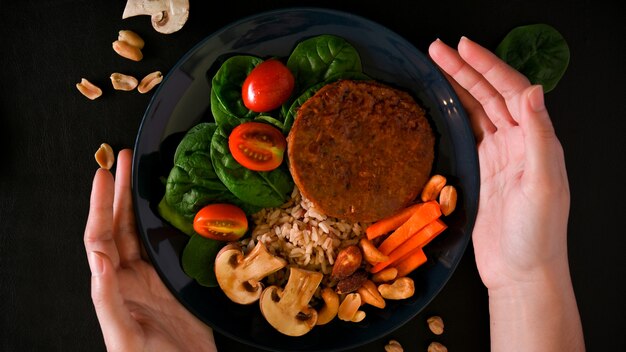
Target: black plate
[{"x": 182, "y": 100}]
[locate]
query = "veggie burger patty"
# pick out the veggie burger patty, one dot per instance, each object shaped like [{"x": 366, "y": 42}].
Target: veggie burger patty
[{"x": 360, "y": 150}]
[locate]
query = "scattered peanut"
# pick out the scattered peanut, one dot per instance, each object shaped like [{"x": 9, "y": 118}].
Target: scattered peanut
[
  {"x": 437, "y": 347},
  {"x": 123, "y": 82},
  {"x": 385, "y": 275},
  {"x": 150, "y": 81},
  {"x": 433, "y": 187},
  {"x": 435, "y": 324},
  {"x": 393, "y": 346},
  {"x": 330, "y": 308},
  {"x": 104, "y": 156},
  {"x": 371, "y": 254},
  {"x": 127, "y": 51},
  {"x": 88, "y": 89},
  {"x": 447, "y": 199},
  {"x": 401, "y": 288},
  {"x": 131, "y": 38},
  {"x": 349, "y": 307},
  {"x": 370, "y": 295}
]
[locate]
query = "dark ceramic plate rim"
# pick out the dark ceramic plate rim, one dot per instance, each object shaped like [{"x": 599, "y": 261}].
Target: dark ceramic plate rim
[{"x": 463, "y": 163}]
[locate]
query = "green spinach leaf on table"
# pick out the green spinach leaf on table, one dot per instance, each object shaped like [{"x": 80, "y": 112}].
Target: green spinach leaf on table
[{"x": 538, "y": 51}]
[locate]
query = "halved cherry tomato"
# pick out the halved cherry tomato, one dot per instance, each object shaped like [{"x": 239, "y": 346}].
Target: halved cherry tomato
[
  {"x": 257, "y": 146},
  {"x": 267, "y": 86},
  {"x": 223, "y": 222}
]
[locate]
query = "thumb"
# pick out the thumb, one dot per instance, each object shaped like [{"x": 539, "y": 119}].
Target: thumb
[
  {"x": 544, "y": 161},
  {"x": 118, "y": 327}
]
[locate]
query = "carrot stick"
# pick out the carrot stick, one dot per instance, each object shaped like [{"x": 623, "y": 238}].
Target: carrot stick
[
  {"x": 418, "y": 240},
  {"x": 390, "y": 223},
  {"x": 422, "y": 216},
  {"x": 410, "y": 262}
]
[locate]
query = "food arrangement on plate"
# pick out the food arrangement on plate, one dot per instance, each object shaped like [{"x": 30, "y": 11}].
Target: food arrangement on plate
[{"x": 312, "y": 192}]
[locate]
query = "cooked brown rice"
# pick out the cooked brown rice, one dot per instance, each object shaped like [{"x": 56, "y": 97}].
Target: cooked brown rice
[{"x": 304, "y": 237}]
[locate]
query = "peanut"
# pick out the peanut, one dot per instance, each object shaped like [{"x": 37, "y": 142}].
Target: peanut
[
  {"x": 104, "y": 156},
  {"x": 447, "y": 199},
  {"x": 433, "y": 187},
  {"x": 370, "y": 295},
  {"x": 435, "y": 324},
  {"x": 127, "y": 51},
  {"x": 131, "y": 38},
  {"x": 330, "y": 308},
  {"x": 358, "y": 316},
  {"x": 349, "y": 307},
  {"x": 371, "y": 254},
  {"x": 393, "y": 346},
  {"x": 150, "y": 81},
  {"x": 88, "y": 89},
  {"x": 123, "y": 82},
  {"x": 401, "y": 288},
  {"x": 437, "y": 347},
  {"x": 348, "y": 260}
]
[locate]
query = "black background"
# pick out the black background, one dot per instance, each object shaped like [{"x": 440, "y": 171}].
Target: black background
[{"x": 49, "y": 132}]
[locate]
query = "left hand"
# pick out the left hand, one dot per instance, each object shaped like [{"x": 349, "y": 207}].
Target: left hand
[{"x": 135, "y": 310}]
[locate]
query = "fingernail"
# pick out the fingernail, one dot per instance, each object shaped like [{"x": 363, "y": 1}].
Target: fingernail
[
  {"x": 96, "y": 264},
  {"x": 535, "y": 98}
]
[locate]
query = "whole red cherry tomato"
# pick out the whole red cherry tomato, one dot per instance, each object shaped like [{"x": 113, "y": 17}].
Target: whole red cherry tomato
[
  {"x": 257, "y": 146},
  {"x": 267, "y": 86},
  {"x": 222, "y": 222}
]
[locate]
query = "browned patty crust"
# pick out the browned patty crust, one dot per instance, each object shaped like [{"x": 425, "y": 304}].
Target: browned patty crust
[{"x": 360, "y": 150}]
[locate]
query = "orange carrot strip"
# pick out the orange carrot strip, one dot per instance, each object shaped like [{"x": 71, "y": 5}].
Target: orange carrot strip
[
  {"x": 410, "y": 262},
  {"x": 418, "y": 240},
  {"x": 390, "y": 223},
  {"x": 423, "y": 215}
]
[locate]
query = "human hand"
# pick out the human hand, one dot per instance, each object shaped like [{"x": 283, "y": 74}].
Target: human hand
[
  {"x": 135, "y": 310},
  {"x": 521, "y": 226},
  {"x": 520, "y": 234}
]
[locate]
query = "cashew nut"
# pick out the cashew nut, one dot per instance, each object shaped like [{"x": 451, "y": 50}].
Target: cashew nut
[
  {"x": 371, "y": 254},
  {"x": 401, "y": 288},
  {"x": 433, "y": 187},
  {"x": 385, "y": 275},
  {"x": 330, "y": 308}
]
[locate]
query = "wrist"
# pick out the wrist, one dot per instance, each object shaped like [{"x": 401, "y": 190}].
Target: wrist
[{"x": 540, "y": 311}]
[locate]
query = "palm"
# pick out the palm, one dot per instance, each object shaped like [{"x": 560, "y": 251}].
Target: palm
[{"x": 523, "y": 179}]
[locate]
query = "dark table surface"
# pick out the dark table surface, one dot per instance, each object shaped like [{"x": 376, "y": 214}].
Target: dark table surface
[{"x": 49, "y": 132}]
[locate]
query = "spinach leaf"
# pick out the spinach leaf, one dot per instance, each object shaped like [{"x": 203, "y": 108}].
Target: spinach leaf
[
  {"x": 538, "y": 51},
  {"x": 198, "y": 259},
  {"x": 270, "y": 120},
  {"x": 316, "y": 59},
  {"x": 263, "y": 189},
  {"x": 192, "y": 183},
  {"x": 290, "y": 114},
  {"x": 226, "y": 103}
]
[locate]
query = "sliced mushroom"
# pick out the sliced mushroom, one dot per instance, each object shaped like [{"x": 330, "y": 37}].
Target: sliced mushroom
[
  {"x": 168, "y": 16},
  {"x": 288, "y": 310},
  {"x": 240, "y": 276}
]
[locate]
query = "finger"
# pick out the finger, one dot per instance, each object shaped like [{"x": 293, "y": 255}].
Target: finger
[
  {"x": 542, "y": 148},
  {"x": 506, "y": 80},
  {"x": 99, "y": 230},
  {"x": 477, "y": 86},
  {"x": 124, "y": 226},
  {"x": 119, "y": 329},
  {"x": 443, "y": 56}
]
